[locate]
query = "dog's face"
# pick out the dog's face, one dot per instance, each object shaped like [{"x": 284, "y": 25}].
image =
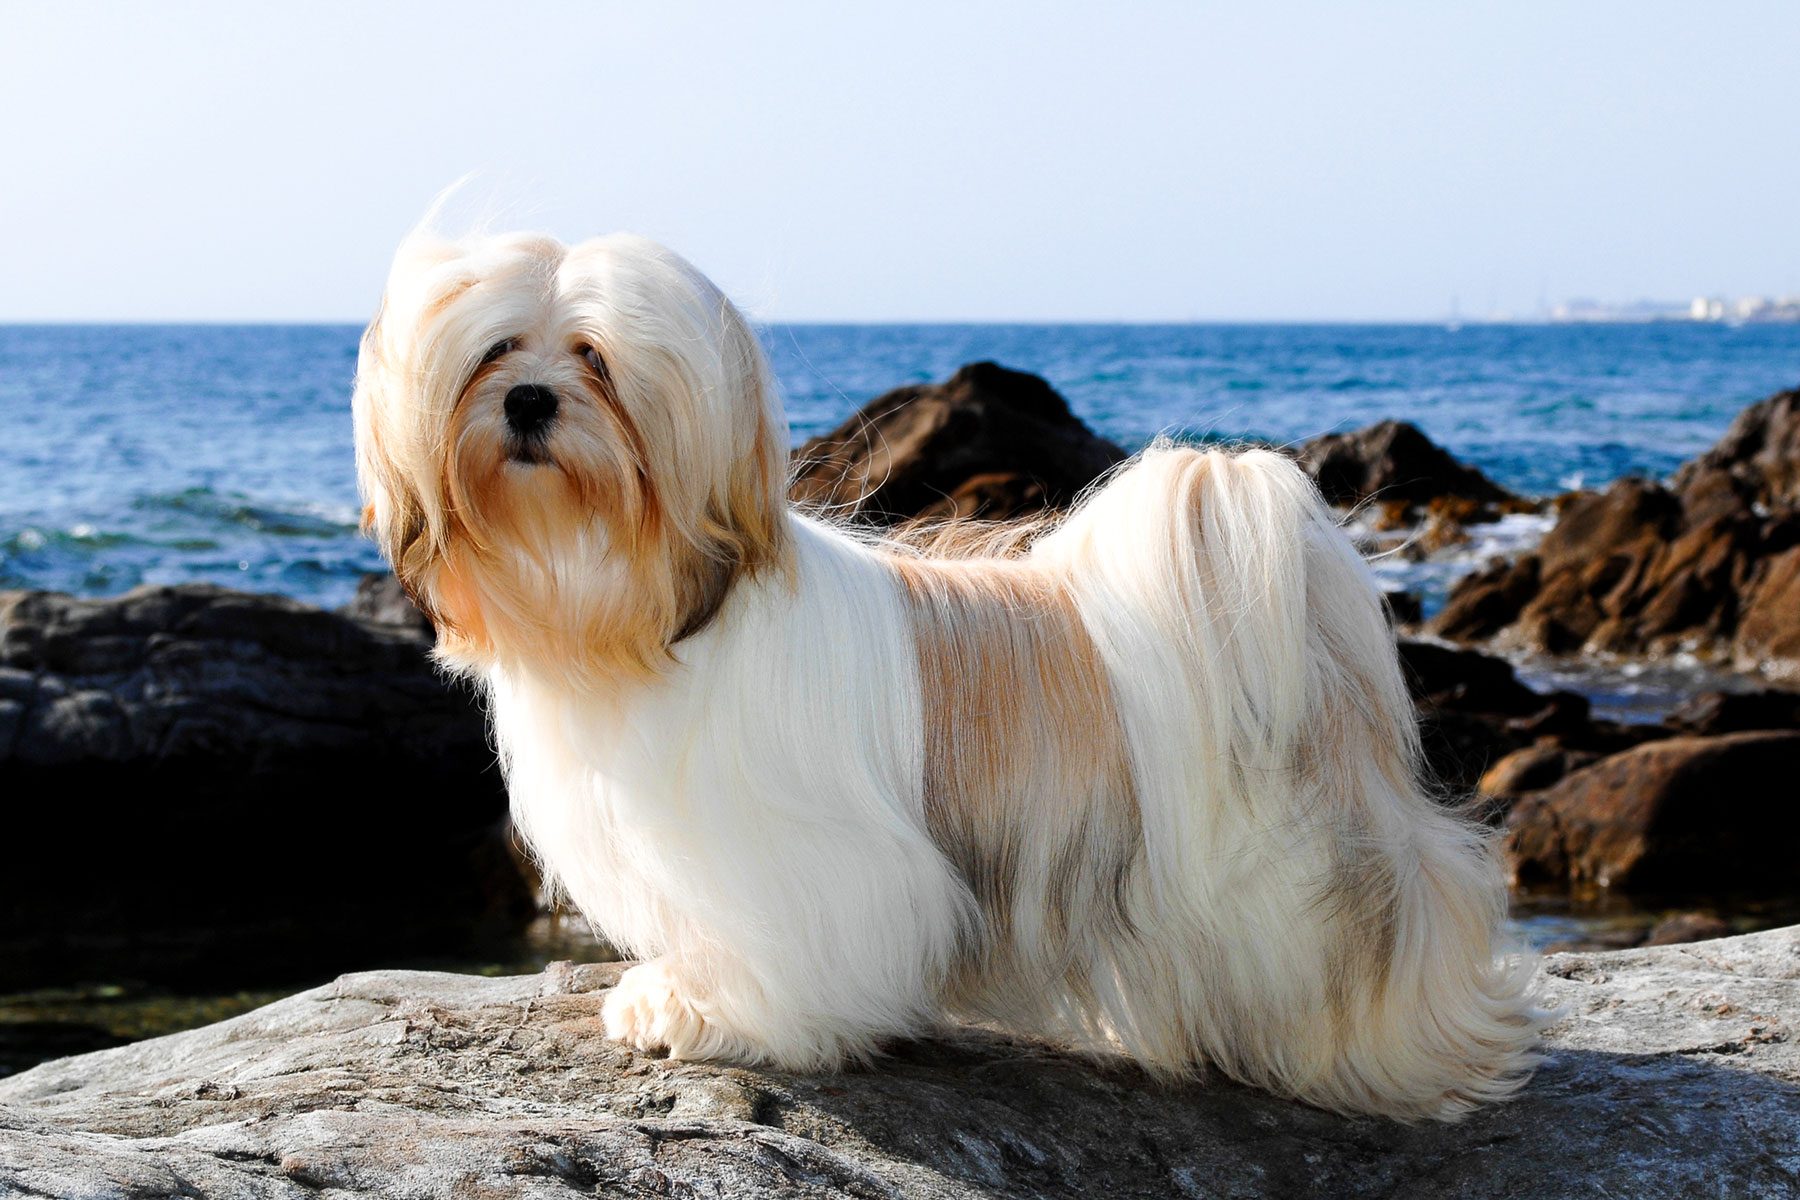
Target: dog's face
[{"x": 569, "y": 454}]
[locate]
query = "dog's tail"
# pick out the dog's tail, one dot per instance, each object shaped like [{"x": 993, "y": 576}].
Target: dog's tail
[{"x": 1308, "y": 918}]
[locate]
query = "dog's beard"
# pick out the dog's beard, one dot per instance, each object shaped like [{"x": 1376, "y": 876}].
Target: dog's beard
[
  {"x": 541, "y": 488},
  {"x": 550, "y": 558}
]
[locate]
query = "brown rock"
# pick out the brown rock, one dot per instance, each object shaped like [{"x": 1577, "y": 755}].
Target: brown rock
[
  {"x": 1466, "y": 680},
  {"x": 1395, "y": 462},
  {"x": 1711, "y": 564},
  {"x": 1685, "y": 813},
  {"x": 1488, "y": 600},
  {"x": 1596, "y": 526},
  {"x": 1533, "y": 769},
  {"x": 1767, "y": 638},
  {"x": 990, "y": 443},
  {"x": 1760, "y": 452},
  {"x": 1474, "y": 711}
]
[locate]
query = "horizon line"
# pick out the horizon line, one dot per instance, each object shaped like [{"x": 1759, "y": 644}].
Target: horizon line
[{"x": 1447, "y": 322}]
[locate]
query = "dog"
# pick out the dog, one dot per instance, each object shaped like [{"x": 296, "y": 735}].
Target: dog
[{"x": 1149, "y": 782}]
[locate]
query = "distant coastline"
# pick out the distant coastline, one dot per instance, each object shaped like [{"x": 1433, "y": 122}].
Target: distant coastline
[{"x": 1704, "y": 310}]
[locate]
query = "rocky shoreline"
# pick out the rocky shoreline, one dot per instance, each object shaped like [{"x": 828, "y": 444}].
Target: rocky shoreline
[{"x": 1708, "y": 564}]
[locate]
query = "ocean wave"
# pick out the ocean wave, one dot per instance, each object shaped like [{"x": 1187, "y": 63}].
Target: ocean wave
[
  {"x": 312, "y": 551},
  {"x": 34, "y": 538},
  {"x": 302, "y": 520}
]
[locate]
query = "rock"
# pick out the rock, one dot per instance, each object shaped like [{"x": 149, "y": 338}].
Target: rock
[
  {"x": 1468, "y": 680},
  {"x": 1682, "y": 928},
  {"x": 1760, "y": 452},
  {"x": 1395, "y": 462},
  {"x": 381, "y": 600},
  {"x": 1404, "y": 608},
  {"x": 1711, "y": 564},
  {"x": 1463, "y": 719},
  {"x": 1767, "y": 638},
  {"x": 1474, "y": 712},
  {"x": 1736, "y": 712},
  {"x": 214, "y": 781},
  {"x": 1674, "y": 1074},
  {"x": 1488, "y": 599},
  {"x": 1532, "y": 769},
  {"x": 990, "y": 443},
  {"x": 1682, "y": 814}
]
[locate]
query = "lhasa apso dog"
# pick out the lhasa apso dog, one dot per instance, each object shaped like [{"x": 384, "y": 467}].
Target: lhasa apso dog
[{"x": 1149, "y": 783}]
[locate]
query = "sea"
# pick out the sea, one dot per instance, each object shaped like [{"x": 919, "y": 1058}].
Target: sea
[{"x": 133, "y": 454}]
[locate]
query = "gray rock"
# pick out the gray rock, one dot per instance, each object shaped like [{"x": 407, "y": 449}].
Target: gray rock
[{"x": 1673, "y": 1074}]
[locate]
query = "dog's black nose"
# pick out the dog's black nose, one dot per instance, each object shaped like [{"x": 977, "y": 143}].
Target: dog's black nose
[{"x": 530, "y": 407}]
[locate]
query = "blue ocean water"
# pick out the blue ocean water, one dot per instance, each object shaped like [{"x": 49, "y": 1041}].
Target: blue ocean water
[{"x": 138, "y": 453}]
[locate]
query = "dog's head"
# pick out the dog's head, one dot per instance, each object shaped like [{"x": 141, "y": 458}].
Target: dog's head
[{"x": 568, "y": 453}]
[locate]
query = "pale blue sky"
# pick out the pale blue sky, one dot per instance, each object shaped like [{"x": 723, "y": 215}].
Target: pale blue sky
[{"x": 918, "y": 160}]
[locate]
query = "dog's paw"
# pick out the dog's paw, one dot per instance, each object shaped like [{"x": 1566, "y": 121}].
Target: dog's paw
[{"x": 648, "y": 1011}]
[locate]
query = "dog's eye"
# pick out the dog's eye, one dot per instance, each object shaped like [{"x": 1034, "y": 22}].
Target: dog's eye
[
  {"x": 499, "y": 348},
  {"x": 593, "y": 359}
]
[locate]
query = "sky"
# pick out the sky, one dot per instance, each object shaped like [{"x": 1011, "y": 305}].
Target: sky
[{"x": 911, "y": 161}]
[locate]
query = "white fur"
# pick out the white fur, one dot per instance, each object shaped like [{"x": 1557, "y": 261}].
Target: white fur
[
  {"x": 744, "y": 822},
  {"x": 747, "y": 810}
]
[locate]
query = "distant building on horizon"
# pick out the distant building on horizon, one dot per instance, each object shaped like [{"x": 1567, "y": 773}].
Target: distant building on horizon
[{"x": 1746, "y": 310}]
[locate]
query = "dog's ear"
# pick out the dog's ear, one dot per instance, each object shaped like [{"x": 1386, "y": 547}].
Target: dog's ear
[
  {"x": 744, "y": 524},
  {"x": 397, "y": 510},
  {"x": 690, "y": 392}
]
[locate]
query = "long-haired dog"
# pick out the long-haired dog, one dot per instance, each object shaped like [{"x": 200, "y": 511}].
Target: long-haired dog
[{"x": 1149, "y": 783}]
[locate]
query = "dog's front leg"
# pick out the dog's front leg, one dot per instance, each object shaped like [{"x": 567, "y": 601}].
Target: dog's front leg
[{"x": 818, "y": 966}]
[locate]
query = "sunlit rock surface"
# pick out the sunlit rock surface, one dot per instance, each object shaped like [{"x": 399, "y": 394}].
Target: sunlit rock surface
[{"x": 1674, "y": 1074}]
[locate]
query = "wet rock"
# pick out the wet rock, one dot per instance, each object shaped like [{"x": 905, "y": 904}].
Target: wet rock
[
  {"x": 215, "y": 781},
  {"x": 1681, "y": 814},
  {"x": 1710, "y": 564},
  {"x": 428, "y": 1084},
  {"x": 990, "y": 443},
  {"x": 1395, "y": 463}
]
